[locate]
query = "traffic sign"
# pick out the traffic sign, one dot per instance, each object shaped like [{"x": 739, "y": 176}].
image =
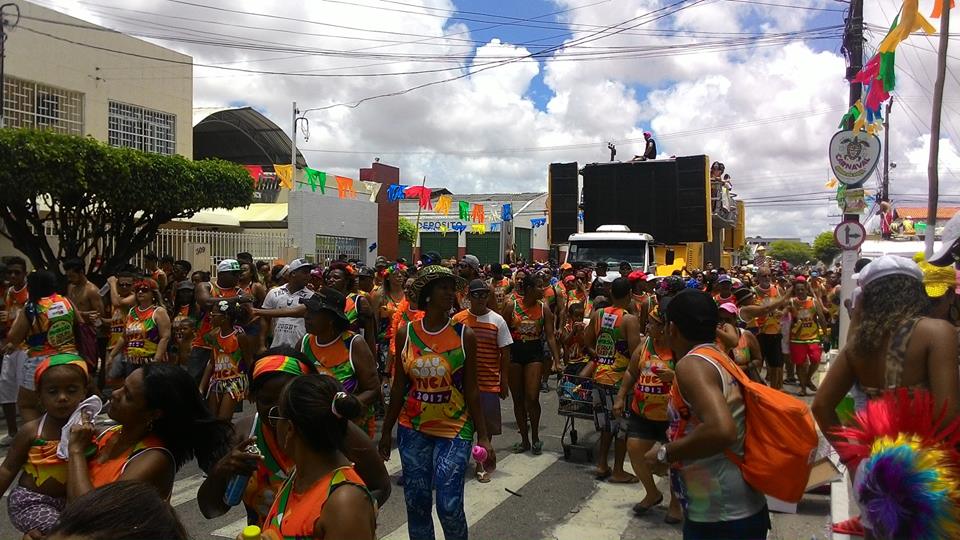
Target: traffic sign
[{"x": 850, "y": 235}]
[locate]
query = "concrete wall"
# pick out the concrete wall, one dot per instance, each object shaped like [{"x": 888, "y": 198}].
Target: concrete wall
[
  {"x": 101, "y": 75},
  {"x": 310, "y": 214}
]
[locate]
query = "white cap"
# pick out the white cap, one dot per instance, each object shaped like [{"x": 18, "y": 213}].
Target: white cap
[
  {"x": 888, "y": 265},
  {"x": 951, "y": 233},
  {"x": 297, "y": 264},
  {"x": 228, "y": 265}
]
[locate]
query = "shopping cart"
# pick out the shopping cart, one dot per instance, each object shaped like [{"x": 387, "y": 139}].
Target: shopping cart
[{"x": 576, "y": 400}]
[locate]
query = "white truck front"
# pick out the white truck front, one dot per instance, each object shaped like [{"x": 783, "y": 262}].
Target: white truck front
[{"x": 612, "y": 244}]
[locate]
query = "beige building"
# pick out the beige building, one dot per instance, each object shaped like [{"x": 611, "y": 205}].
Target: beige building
[{"x": 72, "y": 76}]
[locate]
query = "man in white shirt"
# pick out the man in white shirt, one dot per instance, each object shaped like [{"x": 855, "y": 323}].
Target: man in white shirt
[{"x": 283, "y": 303}]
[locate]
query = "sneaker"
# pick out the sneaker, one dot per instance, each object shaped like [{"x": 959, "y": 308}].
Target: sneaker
[{"x": 544, "y": 388}]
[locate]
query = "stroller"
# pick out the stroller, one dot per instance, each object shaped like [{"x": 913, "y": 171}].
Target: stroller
[{"x": 576, "y": 400}]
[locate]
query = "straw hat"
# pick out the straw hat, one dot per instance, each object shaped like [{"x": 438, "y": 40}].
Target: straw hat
[{"x": 432, "y": 273}]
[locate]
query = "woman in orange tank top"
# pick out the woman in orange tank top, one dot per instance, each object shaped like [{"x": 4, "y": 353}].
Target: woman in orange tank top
[
  {"x": 163, "y": 423},
  {"x": 323, "y": 497}
]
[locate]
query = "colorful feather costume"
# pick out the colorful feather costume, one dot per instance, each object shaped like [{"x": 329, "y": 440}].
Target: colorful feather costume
[{"x": 908, "y": 467}]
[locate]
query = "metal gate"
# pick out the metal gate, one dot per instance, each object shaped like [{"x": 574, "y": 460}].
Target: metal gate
[
  {"x": 444, "y": 244},
  {"x": 485, "y": 246},
  {"x": 522, "y": 242},
  {"x": 330, "y": 248},
  {"x": 266, "y": 246},
  {"x": 405, "y": 250}
]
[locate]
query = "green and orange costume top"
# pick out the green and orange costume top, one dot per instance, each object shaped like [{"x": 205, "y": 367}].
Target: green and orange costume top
[
  {"x": 651, "y": 395},
  {"x": 612, "y": 348},
  {"x": 804, "y": 328},
  {"x": 51, "y": 326},
  {"x": 434, "y": 362},
  {"x": 528, "y": 321},
  {"x": 352, "y": 310},
  {"x": 111, "y": 469},
  {"x": 334, "y": 358},
  {"x": 142, "y": 335},
  {"x": 294, "y": 515},
  {"x": 206, "y": 326}
]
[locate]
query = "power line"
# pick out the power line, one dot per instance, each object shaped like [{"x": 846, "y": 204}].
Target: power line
[{"x": 786, "y": 6}]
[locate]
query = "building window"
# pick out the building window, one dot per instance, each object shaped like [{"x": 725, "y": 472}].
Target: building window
[
  {"x": 132, "y": 126},
  {"x": 28, "y": 104},
  {"x": 330, "y": 248}
]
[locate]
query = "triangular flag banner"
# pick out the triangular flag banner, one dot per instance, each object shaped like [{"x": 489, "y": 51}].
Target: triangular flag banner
[
  {"x": 316, "y": 179},
  {"x": 938, "y": 8},
  {"x": 395, "y": 192},
  {"x": 423, "y": 193},
  {"x": 832, "y": 183},
  {"x": 506, "y": 213},
  {"x": 285, "y": 174},
  {"x": 373, "y": 188},
  {"x": 464, "y": 210},
  {"x": 255, "y": 172},
  {"x": 537, "y": 222},
  {"x": 478, "y": 228},
  {"x": 345, "y": 188},
  {"x": 443, "y": 205},
  {"x": 477, "y": 213},
  {"x": 459, "y": 227},
  {"x": 444, "y": 229}
]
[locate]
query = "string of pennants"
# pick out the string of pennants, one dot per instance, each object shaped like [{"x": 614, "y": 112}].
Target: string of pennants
[{"x": 346, "y": 189}]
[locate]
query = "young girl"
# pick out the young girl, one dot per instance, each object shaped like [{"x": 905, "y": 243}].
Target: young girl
[
  {"x": 225, "y": 380},
  {"x": 573, "y": 352},
  {"x": 40, "y": 495}
]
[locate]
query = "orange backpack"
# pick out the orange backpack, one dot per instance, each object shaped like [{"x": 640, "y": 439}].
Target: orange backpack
[{"x": 780, "y": 441}]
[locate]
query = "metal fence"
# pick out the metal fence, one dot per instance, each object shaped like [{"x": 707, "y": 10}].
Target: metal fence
[
  {"x": 265, "y": 246},
  {"x": 330, "y": 248}
]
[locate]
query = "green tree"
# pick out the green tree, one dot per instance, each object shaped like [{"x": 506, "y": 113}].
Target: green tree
[
  {"x": 791, "y": 251},
  {"x": 102, "y": 204},
  {"x": 825, "y": 247},
  {"x": 408, "y": 232}
]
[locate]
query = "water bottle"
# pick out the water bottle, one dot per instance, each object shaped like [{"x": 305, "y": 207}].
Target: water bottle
[{"x": 238, "y": 484}]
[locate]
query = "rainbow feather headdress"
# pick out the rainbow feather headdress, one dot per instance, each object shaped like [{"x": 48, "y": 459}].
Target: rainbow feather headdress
[{"x": 908, "y": 467}]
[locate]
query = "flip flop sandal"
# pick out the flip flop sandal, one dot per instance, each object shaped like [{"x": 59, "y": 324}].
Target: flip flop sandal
[
  {"x": 631, "y": 480},
  {"x": 538, "y": 448},
  {"x": 850, "y": 527},
  {"x": 603, "y": 475},
  {"x": 483, "y": 477},
  {"x": 670, "y": 520},
  {"x": 639, "y": 509}
]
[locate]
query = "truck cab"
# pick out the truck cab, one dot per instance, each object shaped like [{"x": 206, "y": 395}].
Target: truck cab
[{"x": 612, "y": 244}]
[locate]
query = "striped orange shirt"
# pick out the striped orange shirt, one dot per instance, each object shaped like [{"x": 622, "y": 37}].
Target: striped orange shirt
[{"x": 492, "y": 334}]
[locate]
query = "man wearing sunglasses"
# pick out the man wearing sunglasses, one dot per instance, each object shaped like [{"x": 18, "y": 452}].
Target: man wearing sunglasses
[
  {"x": 493, "y": 357},
  {"x": 14, "y": 299}
]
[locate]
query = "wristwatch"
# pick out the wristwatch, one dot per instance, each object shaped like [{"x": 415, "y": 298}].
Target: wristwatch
[{"x": 662, "y": 454}]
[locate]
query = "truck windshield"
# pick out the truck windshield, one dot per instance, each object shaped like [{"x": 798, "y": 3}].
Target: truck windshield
[{"x": 613, "y": 252}]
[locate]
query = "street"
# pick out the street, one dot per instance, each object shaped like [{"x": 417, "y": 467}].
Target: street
[{"x": 529, "y": 497}]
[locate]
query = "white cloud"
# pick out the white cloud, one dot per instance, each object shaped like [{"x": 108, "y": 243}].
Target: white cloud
[{"x": 718, "y": 102}]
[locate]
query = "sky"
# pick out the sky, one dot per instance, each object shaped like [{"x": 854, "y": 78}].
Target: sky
[{"x": 485, "y": 94}]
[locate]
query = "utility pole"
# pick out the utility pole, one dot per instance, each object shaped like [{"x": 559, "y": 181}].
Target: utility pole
[
  {"x": 293, "y": 144},
  {"x": 3, "y": 50},
  {"x": 933, "y": 171},
  {"x": 885, "y": 187},
  {"x": 853, "y": 46}
]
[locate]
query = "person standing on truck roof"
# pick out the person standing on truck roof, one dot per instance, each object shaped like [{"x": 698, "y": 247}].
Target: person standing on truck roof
[{"x": 650, "y": 151}]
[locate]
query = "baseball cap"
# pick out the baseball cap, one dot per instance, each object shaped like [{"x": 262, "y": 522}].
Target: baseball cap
[
  {"x": 637, "y": 275},
  {"x": 569, "y": 278},
  {"x": 888, "y": 265},
  {"x": 478, "y": 285},
  {"x": 937, "y": 280},
  {"x": 471, "y": 260},
  {"x": 298, "y": 264},
  {"x": 327, "y": 299},
  {"x": 382, "y": 261},
  {"x": 730, "y": 308},
  {"x": 366, "y": 271},
  {"x": 430, "y": 258},
  {"x": 724, "y": 278},
  {"x": 742, "y": 294},
  {"x": 949, "y": 237},
  {"x": 228, "y": 265},
  {"x": 800, "y": 279}
]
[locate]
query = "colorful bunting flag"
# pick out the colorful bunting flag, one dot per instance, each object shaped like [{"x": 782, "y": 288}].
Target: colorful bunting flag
[
  {"x": 464, "y": 210},
  {"x": 395, "y": 192},
  {"x": 316, "y": 179},
  {"x": 255, "y": 172},
  {"x": 285, "y": 174},
  {"x": 345, "y": 188},
  {"x": 537, "y": 222},
  {"x": 443, "y": 205},
  {"x": 373, "y": 188},
  {"x": 910, "y": 21},
  {"x": 506, "y": 213},
  {"x": 478, "y": 228},
  {"x": 423, "y": 193},
  {"x": 477, "y": 214},
  {"x": 459, "y": 227}
]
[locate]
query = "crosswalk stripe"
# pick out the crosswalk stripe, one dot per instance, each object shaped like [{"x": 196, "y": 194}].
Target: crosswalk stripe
[
  {"x": 606, "y": 514},
  {"x": 186, "y": 489},
  {"x": 512, "y": 473},
  {"x": 231, "y": 530}
]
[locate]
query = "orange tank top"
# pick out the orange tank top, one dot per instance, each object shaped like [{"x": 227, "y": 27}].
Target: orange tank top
[
  {"x": 109, "y": 471},
  {"x": 293, "y": 514}
]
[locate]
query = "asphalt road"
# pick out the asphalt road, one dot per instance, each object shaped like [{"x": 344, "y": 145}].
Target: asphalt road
[{"x": 530, "y": 497}]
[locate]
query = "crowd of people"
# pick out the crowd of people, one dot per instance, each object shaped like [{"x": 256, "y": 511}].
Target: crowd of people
[{"x": 432, "y": 348}]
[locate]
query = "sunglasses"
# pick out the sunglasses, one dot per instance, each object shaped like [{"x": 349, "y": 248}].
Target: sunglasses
[
  {"x": 480, "y": 294},
  {"x": 143, "y": 289},
  {"x": 124, "y": 284},
  {"x": 273, "y": 416}
]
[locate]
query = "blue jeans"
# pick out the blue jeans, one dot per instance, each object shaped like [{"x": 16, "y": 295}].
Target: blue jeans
[{"x": 433, "y": 463}]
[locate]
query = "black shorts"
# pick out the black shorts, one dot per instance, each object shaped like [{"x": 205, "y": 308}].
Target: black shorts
[
  {"x": 526, "y": 352},
  {"x": 639, "y": 427},
  {"x": 770, "y": 348}
]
